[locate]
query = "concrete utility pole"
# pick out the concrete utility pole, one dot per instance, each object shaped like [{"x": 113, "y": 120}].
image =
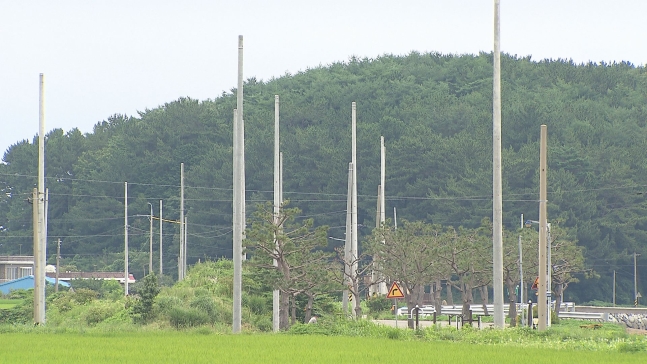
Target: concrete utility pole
[
  {"x": 37, "y": 283},
  {"x": 614, "y": 288},
  {"x": 150, "y": 245},
  {"x": 549, "y": 276},
  {"x": 39, "y": 259},
  {"x": 58, "y": 263},
  {"x": 636, "y": 294},
  {"x": 354, "y": 199},
  {"x": 181, "y": 261},
  {"x": 348, "y": 245},
  {"x": 521, "y": 287},
  {"x": 497, "y": 201},
  {"x": 382, "y": 290},
  {"x": 238, "y": 196},
  {"x": 277, "y": 207},
  {"x": 161, "y": 239},
  {"x": 186, "y": 234},
  {"x": 543, "y": 229},
  {"x": 395, "y": 219},
  {"x": 126, "y": 238}
]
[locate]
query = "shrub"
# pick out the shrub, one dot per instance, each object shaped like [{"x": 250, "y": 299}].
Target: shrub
[
  {"x": 205, "y": 304},
  {"x": 258, "y": 305},
  {"x": 263, "y": 323},
  {"x": 99, "y": 311},
  {"x": 164, "y": 304},
  {"x": 378, "y": 304},
  {"x": 83, "y": 296},
  {"x": 143, "y": 308},
  {"x": 190, "y": 317}
]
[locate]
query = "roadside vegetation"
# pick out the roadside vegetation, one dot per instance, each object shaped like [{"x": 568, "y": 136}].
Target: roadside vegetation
[{"x": 200, "y": 307}]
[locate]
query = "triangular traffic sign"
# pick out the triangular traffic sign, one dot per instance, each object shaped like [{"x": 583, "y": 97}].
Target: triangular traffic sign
[{"x": 395, "y": 291}]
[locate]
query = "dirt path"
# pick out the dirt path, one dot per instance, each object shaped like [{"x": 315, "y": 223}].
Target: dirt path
[{"x": 636, "y": 332}]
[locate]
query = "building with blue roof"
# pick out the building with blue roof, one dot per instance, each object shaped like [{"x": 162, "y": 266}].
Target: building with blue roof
[{"x": 27, "y": 282}]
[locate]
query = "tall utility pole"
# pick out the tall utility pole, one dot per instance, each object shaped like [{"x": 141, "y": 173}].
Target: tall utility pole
[
  {"x": 150, "y": 245},
  {"x": 180, "y": 267},
  {"x": 374, "y": 289},
  {"x": 549, "y": 276},
  {"x": 238, "y": 175},
  {"x": 354, "y": 199},
  {"x": 521, "y": 287},
  {"x": 58, "y": 263},
  {"x": 395, "y": 218},
  {"x": 497, "y": 201},
  {"x": 636, "y": 294},
  {"x": 126, "y": 238},
  {"x": 543, "y": 230},
  {"x": 614, "y": 288},
  {"x": 277, "y": 205},
  {"x": 348, "y": 245},
  {"x": 37, "y": 283},
  {"x": 161, "y": 239},
  {"x": 39, "y": 263},
  {"x": 382, "y": 290},
  {"x": 186, "y": 234}
]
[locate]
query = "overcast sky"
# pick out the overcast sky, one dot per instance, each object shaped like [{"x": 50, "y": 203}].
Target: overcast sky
[{"x": 105, "y": 57}]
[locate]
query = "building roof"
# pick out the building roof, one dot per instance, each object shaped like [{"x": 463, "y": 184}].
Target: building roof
[
  {"x": 26, "y": 282},
  {"x": 119, "y": 276}
]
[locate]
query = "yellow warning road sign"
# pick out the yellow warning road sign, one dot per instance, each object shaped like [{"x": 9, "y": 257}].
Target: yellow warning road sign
[{"x": 395, "y": 291}]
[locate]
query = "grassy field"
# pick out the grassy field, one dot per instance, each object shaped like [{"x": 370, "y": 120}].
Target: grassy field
[
  {"x": 202, "y": 347},
  {"x": 4, "y": 304}
]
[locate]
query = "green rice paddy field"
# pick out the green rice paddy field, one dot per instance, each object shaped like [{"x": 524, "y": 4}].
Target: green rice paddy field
[
  {"x": 191, "y": 347},
  {"x": 4, "y": 304}
]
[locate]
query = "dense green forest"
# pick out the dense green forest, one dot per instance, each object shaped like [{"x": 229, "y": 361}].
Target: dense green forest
[{"x": 435, "y": 113}]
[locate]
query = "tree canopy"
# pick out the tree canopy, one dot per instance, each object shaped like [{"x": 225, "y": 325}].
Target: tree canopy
[{"x": 434, "y": 111}]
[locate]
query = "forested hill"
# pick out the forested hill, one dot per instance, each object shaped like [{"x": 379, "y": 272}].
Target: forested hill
[{"x": 435, "y": 114}]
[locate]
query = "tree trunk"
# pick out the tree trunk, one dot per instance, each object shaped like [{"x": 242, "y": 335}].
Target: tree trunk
[
  {"x": 512, "y": 299},
  {"x": 484, "y": 299},
  {"x": 284, "y": 311},
  {"x": 450, "y": 296},
  {"x": 438, "y": 290},
  {"x": 311, "y": 298},
  {"x": 467, "y": 302},
  {"x": 558, "y": 298},
  {"x": 356, "y": 298},
  {"x": 293, "y": 316}
]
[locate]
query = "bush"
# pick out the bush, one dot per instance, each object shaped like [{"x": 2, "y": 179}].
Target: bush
[
  {"x": 258, "y": 305},
  {"x": 207, "y": 305},
  {"x": 143, "y": 308},
  {"x": 164, "y": 304},
  {"x": 264, "y": 323},
  {"x": 377, "y": 305},
  {"x": 190, "y": 317},
  {"x": 100, "y": 311},
  {"x": 83, "y": 296}
]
